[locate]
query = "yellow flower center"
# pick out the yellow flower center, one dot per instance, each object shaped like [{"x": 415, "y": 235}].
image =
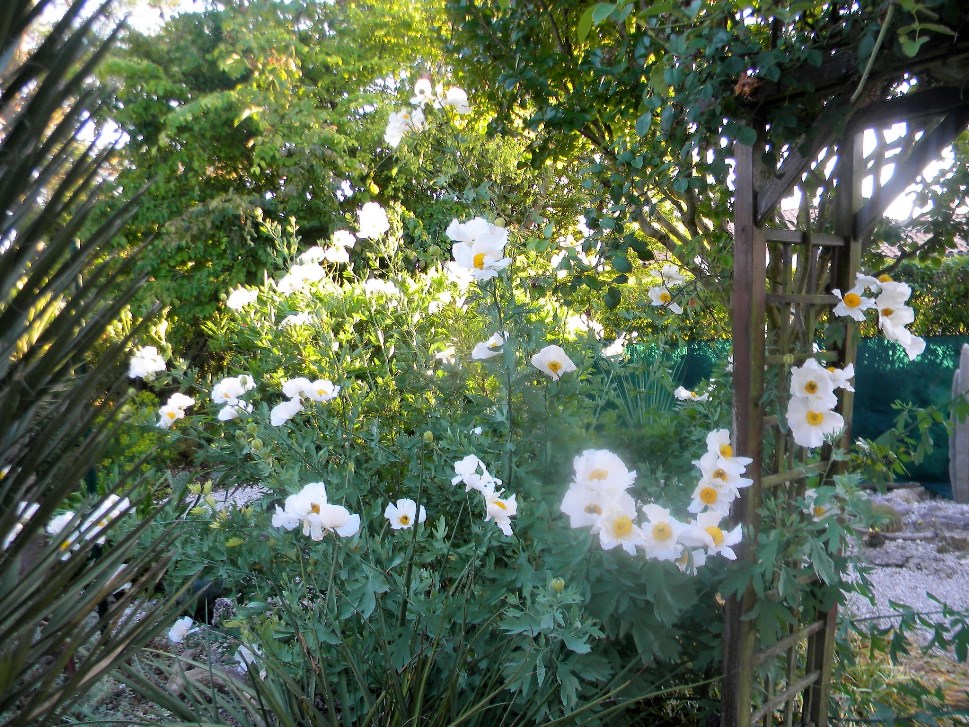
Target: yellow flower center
[
  {"x": 479, "y": 261},
  {"x": 884, "y": 278},
  {"x": 315, "y": 507},
  {"x": 662, "y": 532},
  {"x": 65, "y": 545},
  {"x": 171, "y": 415},
  {"x": 709, "y": 495},
  {"x": 226, "y": 395},
  {"x": 320, "y": 392},
  {"x": 887, "y": 312},
  {"x": 592, "y": 509},
  {"x": 811, "y": 387},
  {"x": 726, "y": 450},
  {"x": 814, "y": 418},
  {"x": 665, "y": 297},
  {"x": 554, "y": 366},
  {"x": 852, "y": 300},
  {"x": 719, "y": 474},
  {"x": 622, "y": 526},
  {"x": 717, "y": 535},
  {"x": 404, "y": 519},
  {"x": 819, "y": 511},
  {"x": 499, "y": 504},
  {"x": 832, "y": 369},
  {"x": 599, "y": 474}
]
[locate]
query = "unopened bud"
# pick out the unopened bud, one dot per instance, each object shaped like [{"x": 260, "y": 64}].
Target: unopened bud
[
  {"x": 428, "y": 437},
  {"x": 557, "y": 585}
]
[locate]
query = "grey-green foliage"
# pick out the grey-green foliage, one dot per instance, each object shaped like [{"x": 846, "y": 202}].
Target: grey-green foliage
[
  {"x": 959, "y": 436},
  {"x": 55, "y": 641}
]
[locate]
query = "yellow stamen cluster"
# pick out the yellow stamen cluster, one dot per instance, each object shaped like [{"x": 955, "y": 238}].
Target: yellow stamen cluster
[
  {"x": 554, "y": 366},
  {"x": 592, "y": 509},
  {"x": 665, "y": 297},
  {"x": 814, "y": 418},
  {"x": 811, "y": 387},
  {"x": 622, "y": 526},
  {"x": 726, "y": 450},
  {"x": 709, "y": 495},
  {"x": 852, "y": 300},
  {"x": 717, "y": 535},
  {"x": 662, "y": 532},
  {"x": 478, "y": 261},
  {"x": 599, "y": 474},
  {"x": 404, "y": 519}
]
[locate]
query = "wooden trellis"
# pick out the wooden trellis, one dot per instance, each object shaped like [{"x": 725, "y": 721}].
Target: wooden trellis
[{"x": 782, "y": 282}]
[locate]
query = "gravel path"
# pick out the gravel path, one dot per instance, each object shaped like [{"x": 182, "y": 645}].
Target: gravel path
[{"x": 930, "y": 554}]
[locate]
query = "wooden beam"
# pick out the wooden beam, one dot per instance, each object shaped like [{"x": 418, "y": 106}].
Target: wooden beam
[
  {"x": 796, "y": 162},
  {"x": 911, "y": 106},
  {"x": 926, "y": 150},
  {"x": 749, "y": 305}
]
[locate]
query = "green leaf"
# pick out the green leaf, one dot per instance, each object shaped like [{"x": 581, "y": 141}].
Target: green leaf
[
  {"x": 584, "y": 25},
  {"x": 611, "y": 298},
  {"x": 620, "y": 263},
  {"x": 746, "y": 136},
  {"x": 643, "y": 123},
  {"x": 601, "y": 11}
]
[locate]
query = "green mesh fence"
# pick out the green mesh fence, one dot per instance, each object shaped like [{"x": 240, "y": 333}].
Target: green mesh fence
[{"x": 883, "y": 375}]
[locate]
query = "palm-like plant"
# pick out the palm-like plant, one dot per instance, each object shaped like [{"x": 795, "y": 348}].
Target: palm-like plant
[{"x": 58, "y": 407}]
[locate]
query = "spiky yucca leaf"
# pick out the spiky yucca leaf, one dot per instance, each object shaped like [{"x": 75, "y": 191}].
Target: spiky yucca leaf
[{"x": 58, "y": 408}]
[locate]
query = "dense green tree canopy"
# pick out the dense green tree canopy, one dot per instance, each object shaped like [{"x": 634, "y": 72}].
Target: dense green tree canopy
[{"x": 653, "y": 94}]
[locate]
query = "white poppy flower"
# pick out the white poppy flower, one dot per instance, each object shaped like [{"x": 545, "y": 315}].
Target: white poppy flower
[
  {"x": 501, "y": 510},
  {"x": 479, "y": 247},
  {"x": 841, "y": 378},
  {"x": 403, "y": 514},
  {"x": 241, "y": 297},
  {"x": 662, "y": 298},
  {"x": 321, "y": 390},
  {"x": 813, "y": 382},
  {"x": 691, "y": 560},
  {"x": 585, "y": 505},
  {"x": 282, "y": 413},
  {"x": 344, "y": 238},
  {"x": 180, "y": 629},
  {"x": 373, "y": 221},
  {"x": 553, "y": 361},
  {"x": 422, "y": 92},
  {"x": 466, "y": 471},
  {"x": 401, "y": 122},
  {"x": 488, "y": 349},
  {"x": 683, "y": 394},
  {"x": 661, "y": 533},
  {"x": 456, "y": 98},
  {"x": 145, "y": 363},
  {"x": 311, "y": 255},
  {"x": 712, "y": 494},
  {"x": 671, "y": 275},
  {"x": 817, "y": 511},
  {"x": 615, "y": 526},
  {"x": 706, "y": 531},
  {"x": 309, "y": 508},
  {"x": 246, "y": 657},
  {"x": 810, "y": 424},
  {"x": 298, "y": 387},
  {"x": 866, "y": 282},
  {"x": 375, "y": 286},
  {"x": 603, "y": 471},
  {"x": 56, "y": 528},
  {"x": 234, "y": 411},
  {"x": 180, "y": 400},
  {"x": 852, "y": 304},
  {"x": 232, "y": 388},
  {"x": 297, "y": 319}
]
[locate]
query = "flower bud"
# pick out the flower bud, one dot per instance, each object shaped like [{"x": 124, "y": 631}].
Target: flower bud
[
  {"x": 557, "y": 585},
  {"x": 428, "y": 437}
]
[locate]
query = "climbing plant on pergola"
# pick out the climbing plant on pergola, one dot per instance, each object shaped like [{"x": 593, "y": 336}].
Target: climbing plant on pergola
[
  {"x": 782, "y": 279},
  {"x": 696, "y": 119}
]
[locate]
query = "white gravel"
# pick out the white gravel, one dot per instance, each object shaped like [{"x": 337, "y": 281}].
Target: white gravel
[{"x": 929, "y": 555}]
